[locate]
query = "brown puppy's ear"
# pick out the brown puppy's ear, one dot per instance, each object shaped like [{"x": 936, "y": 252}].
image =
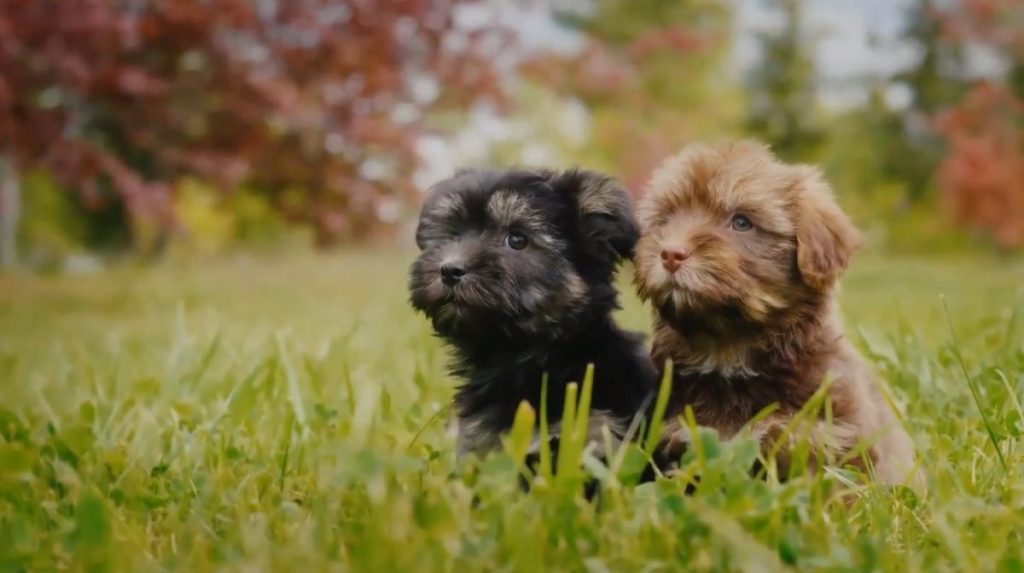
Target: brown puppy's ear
[
  {"x": 825, "y": 236},
  {"x": 606, "y": 212}
]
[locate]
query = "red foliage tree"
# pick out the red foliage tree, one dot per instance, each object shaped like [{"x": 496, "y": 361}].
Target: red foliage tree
[
  {"x": 315, "y": 102},
  {"x": 982, "y": 174}
]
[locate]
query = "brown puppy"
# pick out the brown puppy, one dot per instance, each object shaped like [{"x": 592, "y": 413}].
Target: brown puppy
[{"x": 739, "y": 256}]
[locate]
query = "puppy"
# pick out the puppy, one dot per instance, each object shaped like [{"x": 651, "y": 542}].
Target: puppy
[
  {"x": 515, "y": 273},
  {"x": 739, "y": 256}
]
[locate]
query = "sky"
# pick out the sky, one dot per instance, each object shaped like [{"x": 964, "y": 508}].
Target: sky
[{"x": 856, "y": 39}]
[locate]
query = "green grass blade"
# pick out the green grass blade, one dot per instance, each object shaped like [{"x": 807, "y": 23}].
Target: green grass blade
[
  {"x": 294, "y": 394},
  {"x": 582, "y": 421},
  {"x": 658, "y": 415},
  {"x": 974, "y": 388},
  {"x": 519, "y": 438},
  {"x": 568, "y": 454},
  {"x": 545, "y": 432}
]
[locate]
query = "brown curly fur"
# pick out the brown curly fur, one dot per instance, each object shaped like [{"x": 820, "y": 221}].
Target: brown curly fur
[{"x": 749, "y": 320}]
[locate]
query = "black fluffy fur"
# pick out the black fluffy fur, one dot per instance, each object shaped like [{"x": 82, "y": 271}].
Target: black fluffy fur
[{"x": 542, "y": 309}]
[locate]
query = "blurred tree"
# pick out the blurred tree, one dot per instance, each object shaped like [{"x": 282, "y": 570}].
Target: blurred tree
[
  {"x": 783, "y": 87},
  {"x": 10, "y": 214},
  {"x": 933, "y": 79},
  {"x": 97, "y": 93},
  {"x": 911, "y": 149},
  {"x": 883, "y": 155},
  {"x": 314, "y": 103},
  {"x": 652, "y": 76},
  {"x": 982, "y": 173},
  {"x": 352, "y": 90}
]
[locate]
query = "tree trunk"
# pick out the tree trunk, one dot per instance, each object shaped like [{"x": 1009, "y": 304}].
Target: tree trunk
[{"x": 10, "y": 213}]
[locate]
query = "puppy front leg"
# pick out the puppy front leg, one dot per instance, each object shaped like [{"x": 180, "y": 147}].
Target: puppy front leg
[
  {"x": 675, "y": 442},
  {"x": 827, "y": 443}
]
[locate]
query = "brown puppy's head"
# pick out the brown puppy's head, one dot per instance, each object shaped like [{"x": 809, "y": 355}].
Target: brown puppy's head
[{"x": 732, "y": 238}]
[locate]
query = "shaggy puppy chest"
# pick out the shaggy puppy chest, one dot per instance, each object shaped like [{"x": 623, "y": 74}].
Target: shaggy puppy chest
[
  {"x": 515, "y": 273},
  {"x": 739, "y": 256}
]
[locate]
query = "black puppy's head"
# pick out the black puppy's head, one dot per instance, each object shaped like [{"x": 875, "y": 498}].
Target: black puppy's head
[{"x": 524, "y": 254}]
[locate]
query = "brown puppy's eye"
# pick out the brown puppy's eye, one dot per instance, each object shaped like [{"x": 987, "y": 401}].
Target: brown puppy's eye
[
  {"x": 516, "y": 240},
  {"x": 740, "y": 223}
]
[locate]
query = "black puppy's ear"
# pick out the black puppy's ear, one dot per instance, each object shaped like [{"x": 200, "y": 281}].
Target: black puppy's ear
[{"x": 605, "y": 210}]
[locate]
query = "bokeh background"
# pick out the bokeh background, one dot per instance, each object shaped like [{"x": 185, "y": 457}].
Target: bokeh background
[
  {"x": 148, "y": 129},
  {"x": 207, "y": 357}
]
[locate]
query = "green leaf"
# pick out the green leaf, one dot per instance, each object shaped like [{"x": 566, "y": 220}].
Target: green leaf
[
  {"x": 92, "y": 522},
  {"x": 1013, "y": 424},
  {"x": 788, "y": 550},
  {"x": 87, "y": 412},
  {"x": 11, "y": 427},
  {"x": 16, "y": 458}
]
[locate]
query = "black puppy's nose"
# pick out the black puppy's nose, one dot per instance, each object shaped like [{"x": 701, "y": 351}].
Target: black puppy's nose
[{"x": 451, "y": 273}]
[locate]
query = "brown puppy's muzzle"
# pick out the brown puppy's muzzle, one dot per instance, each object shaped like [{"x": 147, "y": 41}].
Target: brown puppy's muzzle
[
  {"x": 688, "y": 266},
  {"x": 673, "y": 258}
]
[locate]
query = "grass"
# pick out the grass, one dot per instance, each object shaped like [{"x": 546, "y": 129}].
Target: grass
[{"x": 289, "y": 414}]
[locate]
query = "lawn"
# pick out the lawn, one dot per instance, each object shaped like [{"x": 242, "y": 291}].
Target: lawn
[{"x": 289, "y": 414}]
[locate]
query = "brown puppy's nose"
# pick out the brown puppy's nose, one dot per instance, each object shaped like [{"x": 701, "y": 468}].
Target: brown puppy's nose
[{"x": 672, "y": 259}]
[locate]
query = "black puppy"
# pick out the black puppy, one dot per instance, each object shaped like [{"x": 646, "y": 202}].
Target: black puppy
[{"x": 516, "y": 274}]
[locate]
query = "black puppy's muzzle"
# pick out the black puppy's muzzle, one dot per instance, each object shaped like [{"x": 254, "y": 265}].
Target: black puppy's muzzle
[{"x": 452, "y": 273}]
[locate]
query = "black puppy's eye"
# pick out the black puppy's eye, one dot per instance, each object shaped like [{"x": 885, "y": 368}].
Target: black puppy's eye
[
  {"x": 516, "y": 240},
  {"x": 740, "y": 223}
]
